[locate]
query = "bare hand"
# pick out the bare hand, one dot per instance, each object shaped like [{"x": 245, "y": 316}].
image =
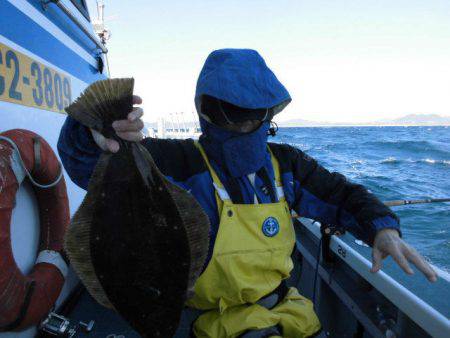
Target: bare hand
[
  {"x": 388, "y": 242},
  {"x": 129, "y": 129}
]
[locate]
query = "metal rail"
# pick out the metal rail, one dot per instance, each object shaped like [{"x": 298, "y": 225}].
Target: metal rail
[
  {"x": 75, "y": 20},
  {"x": 418, "y": 310}
]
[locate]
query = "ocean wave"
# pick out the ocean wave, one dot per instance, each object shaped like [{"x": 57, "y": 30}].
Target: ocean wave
[
  {"x": 390, "y": 159},
  {"x": 394, "y": 163},
  {"x": 431, "y": 161},
  {"x": 357, "y": 161},
  {"x": 301, "y": 146},
  {"x": 410, "y": 146},
  {"x": 394, "y": 160},
  {"x": 401, "y": 143}
]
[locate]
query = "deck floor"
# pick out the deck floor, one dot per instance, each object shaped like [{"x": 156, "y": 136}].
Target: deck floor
[{"x": 107, "y": 322}]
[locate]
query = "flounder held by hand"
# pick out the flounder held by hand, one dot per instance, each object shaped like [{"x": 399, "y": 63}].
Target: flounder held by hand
[{"x": 138, "y": 242}]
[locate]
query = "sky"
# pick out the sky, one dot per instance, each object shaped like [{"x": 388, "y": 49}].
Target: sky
[{"x": 341, "y": 60}]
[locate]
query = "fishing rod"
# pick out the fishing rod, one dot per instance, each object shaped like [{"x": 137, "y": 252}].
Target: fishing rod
[{"x": 395, "y": 203}]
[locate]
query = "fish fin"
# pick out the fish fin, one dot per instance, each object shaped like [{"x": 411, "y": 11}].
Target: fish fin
[
  {"x": 77, "y": 238},
  {"x": 197, "y": 227},
  {"x": 142, "y": 157}
]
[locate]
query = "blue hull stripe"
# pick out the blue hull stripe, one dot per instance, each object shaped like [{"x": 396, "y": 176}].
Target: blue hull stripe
[
  {"x": 19, "y": 28},
  {"x": 66, "y": 25}
]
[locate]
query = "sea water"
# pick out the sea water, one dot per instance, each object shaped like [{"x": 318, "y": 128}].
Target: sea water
[{"x": 393, "y": 163}]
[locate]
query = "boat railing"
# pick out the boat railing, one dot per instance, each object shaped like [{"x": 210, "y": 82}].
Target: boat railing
[{"x": 75, "y": 20}]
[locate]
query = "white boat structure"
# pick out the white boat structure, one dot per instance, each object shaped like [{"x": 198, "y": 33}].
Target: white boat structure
[
  {"x": 176, "y": 126},
  {"x": 50, "y": 50}
]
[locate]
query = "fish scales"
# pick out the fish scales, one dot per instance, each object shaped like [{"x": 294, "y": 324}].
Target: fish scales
[
  {"x": 149, "y": 269},
  {"x": 192, "y": 215}
]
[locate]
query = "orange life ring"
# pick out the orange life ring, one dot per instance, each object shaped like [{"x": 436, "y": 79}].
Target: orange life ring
[{"x": 26, "y": 299}]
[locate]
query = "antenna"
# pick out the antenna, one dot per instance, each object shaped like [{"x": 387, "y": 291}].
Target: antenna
[
  {"x": 99, "y": 24},
  {"x": 100, "y": 10}
]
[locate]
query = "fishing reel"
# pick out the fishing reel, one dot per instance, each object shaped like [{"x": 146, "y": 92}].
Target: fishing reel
[
  {"x": 60, "y": 326},
  {"x": 328, "y": 230},
  {"x": 273, "y": 129}
]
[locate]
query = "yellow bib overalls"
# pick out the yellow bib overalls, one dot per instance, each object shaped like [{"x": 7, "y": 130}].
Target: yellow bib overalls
[{"x": 251, "y": 256}]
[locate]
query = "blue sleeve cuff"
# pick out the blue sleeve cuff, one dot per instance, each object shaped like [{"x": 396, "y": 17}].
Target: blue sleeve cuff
[
  {"x": 78, "y": 151},
  {"x": 386, "y": 222},
  {"x": 81, "y": 137}
]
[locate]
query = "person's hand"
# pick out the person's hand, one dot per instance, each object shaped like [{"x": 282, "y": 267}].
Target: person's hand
[
  {"x": 129, "y": 129},
  {"x": 388, "y": 242}
]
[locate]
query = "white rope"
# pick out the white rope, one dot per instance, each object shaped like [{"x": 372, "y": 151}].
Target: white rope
[
  {"x": 42, "y": 186},
  {"x": 54, "y": 258}
]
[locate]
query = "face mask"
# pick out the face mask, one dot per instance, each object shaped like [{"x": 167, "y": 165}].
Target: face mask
[{"x": 239, "y": 154}]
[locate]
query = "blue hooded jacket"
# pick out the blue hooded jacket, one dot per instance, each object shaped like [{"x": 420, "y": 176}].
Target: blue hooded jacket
[{"x": 242, "y": 78}]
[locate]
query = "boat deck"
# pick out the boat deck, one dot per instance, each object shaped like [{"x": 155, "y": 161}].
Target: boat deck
[
  {"x": 349, "y": 299},
  {"x": 107, "y": 322}
]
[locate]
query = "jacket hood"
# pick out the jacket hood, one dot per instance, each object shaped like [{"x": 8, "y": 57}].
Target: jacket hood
[{"x": 242, "y": 78}]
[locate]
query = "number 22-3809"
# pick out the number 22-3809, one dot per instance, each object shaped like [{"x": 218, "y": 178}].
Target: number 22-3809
[{"x": 28, "y": 82}]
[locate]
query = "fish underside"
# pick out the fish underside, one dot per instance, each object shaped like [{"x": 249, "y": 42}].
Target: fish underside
[{"x": 138, "y": 241}]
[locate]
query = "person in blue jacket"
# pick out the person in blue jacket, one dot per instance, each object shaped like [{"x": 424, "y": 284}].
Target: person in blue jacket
[{"x": 249, "y": 185}]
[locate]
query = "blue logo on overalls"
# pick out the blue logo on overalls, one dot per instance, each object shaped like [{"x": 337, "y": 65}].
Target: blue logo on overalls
[{"x": 270, "y": 227}]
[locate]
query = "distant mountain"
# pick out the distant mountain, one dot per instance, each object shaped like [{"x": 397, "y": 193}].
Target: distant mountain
[
  {"x": 407, "y": 120},
  {"x": 305, "y": 123},
  {"x": 419, "y": 120}
]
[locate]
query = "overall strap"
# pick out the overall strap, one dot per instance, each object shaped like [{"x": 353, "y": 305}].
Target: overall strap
[
  {"x": 220, "y": 190},
  {"x": 277, "y": 175}
]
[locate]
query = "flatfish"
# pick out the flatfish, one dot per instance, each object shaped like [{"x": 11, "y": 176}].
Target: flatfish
[{"x": 138, "y": 241}]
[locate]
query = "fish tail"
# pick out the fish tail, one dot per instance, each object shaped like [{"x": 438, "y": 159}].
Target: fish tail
[{"x": 102, "y": 103}]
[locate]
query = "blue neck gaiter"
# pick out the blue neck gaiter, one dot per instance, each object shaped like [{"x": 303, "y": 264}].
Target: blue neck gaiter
[{"x": 239, "y": 153}]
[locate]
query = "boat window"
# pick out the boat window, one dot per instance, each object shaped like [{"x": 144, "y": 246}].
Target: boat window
[{"x": 81, "y": 5}]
